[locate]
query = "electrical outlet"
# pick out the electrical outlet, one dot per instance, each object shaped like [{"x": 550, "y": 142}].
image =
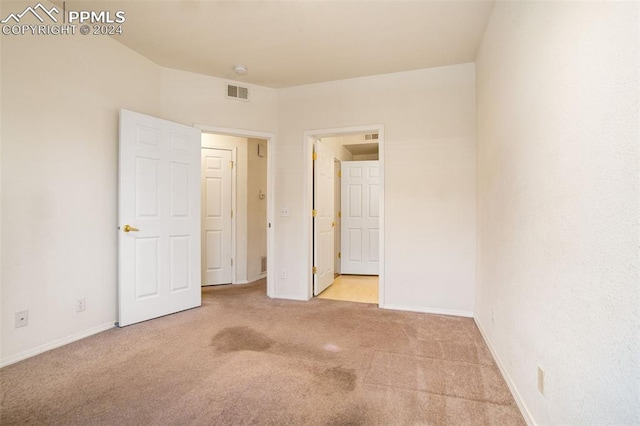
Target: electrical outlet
[
  {"x": 283, "y": 274},
  {"x": 22, "y": 319},
  {"x": 541, "y": 380},
  {"x": 284, "y": 212},
  {"x": 81, "y": 304}
]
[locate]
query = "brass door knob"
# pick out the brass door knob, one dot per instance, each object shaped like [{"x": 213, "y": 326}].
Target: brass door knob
[{"x": 129, "y": 228}]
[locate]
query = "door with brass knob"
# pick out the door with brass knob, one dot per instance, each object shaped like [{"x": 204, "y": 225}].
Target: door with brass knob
[
  {"x": 159, "y": 218},
  {"x": 129, "y": 228}
]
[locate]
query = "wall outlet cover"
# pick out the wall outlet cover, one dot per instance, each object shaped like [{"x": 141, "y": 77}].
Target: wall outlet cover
[{"x": 541, "y": 380}]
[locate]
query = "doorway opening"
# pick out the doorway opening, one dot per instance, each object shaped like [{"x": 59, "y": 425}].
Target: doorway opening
[
  {"x": 237, "y": 206},
  {"x": 346, "y": 226}
]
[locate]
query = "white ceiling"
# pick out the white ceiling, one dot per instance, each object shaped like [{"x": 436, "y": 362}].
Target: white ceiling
[{"x": 289, "y": 43}]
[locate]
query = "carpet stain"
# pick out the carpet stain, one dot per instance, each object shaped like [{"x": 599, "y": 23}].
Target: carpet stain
[
  {"x": 234, "y": 339},
  {"x": 342, "y": 378}
]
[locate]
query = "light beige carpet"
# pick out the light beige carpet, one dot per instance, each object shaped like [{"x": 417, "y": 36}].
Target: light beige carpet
[{"x": 243, "y": 358}]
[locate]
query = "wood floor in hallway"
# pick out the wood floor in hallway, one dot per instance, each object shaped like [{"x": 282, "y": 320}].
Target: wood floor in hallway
[{"x": 353, "y": 288}]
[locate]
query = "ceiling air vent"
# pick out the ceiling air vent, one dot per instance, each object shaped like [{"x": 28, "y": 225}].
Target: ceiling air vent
[
  {"x": 373, "y": 136},
  {"x": 237, "y": 92}
]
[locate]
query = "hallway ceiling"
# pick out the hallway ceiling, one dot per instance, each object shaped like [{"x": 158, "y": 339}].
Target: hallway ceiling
[{"x": 290, "y": 43}]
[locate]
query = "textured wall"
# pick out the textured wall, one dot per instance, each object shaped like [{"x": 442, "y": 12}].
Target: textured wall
[
  {"x": 60, "y": 102},
  {"x": 430, "y": 198},
  {"x": 558, "y": 206},
  {"x": 61, "y": 98}
]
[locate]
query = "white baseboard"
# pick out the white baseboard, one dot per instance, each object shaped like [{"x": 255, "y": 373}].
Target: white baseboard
[
  {"x": 514, "y": 391},
  {"x": 424, "y": 310},
  {"x": 55, "y": 344},
  {"x": 290, "y": 297},
  {"x": 259, "y": 277}
]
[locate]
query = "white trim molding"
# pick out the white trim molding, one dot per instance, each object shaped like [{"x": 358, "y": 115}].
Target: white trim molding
[
  {"x": 308, "y": 137},
  {"x": 55, "y": 344},
  {"x": 271, "y": 170},
  {"x": 423, "y": 310},
  {"x": 526, "y": 414}
]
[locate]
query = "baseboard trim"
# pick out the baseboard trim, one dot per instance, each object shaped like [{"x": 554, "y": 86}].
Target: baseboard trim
[
  {"x": 422, "y": 310},
  {"x": 55, "y": 344},
  {"x": 259, "y": 277},
  {"x": 290, "y": 297},
  {"x": 526, "y": 414}
]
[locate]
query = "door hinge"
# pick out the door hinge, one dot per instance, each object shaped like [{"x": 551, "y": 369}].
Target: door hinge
[
  {"x": 231, "y": 213},
  {"x": 339, "y": 173},
  {"x": 315, "y": 156},
  {"x": 314, "y": 213},
  {"x": 339, "y": 214},
  {"x": 314, "y": 270},
  {"x": 231, "y": 164},
  {"x": 231, "y": 262},
  {"x": 339, "y": 255}
]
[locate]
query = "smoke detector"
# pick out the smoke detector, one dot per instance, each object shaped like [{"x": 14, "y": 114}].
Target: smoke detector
[{"x": 240, "y": 69}]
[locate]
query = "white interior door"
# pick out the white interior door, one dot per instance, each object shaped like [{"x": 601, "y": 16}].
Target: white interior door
[
  {"x": 323, "y": 224},
  {"x": 360, "y": 217},
  {"x": 216, "y": 217},
  {"x": 159, "y": 218},
  {"x": 336, "y": 216}
]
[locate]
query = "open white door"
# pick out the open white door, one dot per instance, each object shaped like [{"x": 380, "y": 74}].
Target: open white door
[
  {"x": 323, "y": 224},
  {"x": 159, "y": 218},
  {"x": 216, "y": 216},
  {"x": 360, "y": 217},
  {"x": 337, "y": 201}
]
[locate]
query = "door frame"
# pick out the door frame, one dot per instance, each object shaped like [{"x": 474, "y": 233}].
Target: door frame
[
  {"x": 271, "y": 169},
  {"x": 307, "y": 149}
]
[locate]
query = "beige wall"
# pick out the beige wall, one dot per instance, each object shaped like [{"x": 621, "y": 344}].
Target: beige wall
[
  {"x": 335, "y": 143},
  {"x": 558, "y": 202},
  {"x": 429, "y": 119},
  {"x": 198, "y": 99},
  {"x": 366, "y": 157},
  {"x": 2, "y": 315},
  {"x": 59, "y": 141},
  {"x": 60, "y": 103},
  {"x": 256, "y": 208}
]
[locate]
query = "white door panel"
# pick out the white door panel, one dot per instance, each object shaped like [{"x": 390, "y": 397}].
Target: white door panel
[
  {"x": 216, "y": 216},
  {"x": 360, "y": 217},
  {"x": 323, "y": 228},
  {"x": 336, "y": 216},
  {"x": 159, "y": 258}
]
